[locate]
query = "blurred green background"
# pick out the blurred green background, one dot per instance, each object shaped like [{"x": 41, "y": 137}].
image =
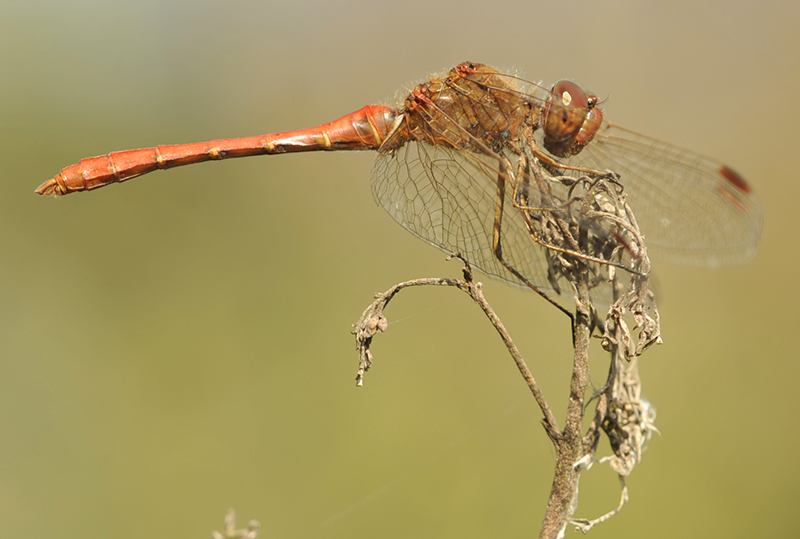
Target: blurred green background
[{"x": 180, "y": 344}]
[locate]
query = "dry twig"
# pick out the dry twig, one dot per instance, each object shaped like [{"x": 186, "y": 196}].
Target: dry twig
[
  {"x": 593, "y": 243},
  {"x": 251, "y": 532}
]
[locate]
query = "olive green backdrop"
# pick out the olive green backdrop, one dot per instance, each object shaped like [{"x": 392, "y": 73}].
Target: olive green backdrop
[{"x": 180, "y": 344}]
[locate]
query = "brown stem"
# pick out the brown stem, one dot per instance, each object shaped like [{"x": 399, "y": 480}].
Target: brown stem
[
  {"x": 570, "y": 444},
  {"x": 570, "y": 447},
  {"x": 599, "y": 241}
]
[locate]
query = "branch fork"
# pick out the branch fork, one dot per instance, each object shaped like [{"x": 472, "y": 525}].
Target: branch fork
[{"x": 601, "y": 226}]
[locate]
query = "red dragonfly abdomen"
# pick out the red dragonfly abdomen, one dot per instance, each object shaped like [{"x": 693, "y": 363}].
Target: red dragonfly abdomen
[{"x": 365, "y": 129}]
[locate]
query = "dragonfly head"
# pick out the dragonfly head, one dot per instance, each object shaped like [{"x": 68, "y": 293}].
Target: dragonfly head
[{"x": 570, "y": 119}]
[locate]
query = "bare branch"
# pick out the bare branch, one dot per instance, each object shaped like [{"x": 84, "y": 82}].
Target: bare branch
[
  {"x": 373, "y": 321},
  {"x": 593, "y": 245}
]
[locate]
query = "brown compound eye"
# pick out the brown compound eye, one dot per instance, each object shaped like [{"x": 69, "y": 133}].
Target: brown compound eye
[
  {"x": 594, "y": 118},
  {"x": 565, "y": 112}
]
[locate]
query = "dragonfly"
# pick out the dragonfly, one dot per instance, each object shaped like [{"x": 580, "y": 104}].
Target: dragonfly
[{"x": 457, "y": 166}]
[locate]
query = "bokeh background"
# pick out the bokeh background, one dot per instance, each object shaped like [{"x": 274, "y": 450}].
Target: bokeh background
[{"x": 180, "y": 344}]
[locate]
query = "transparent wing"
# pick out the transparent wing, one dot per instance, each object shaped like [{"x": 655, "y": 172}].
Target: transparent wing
[
  {"x": 691, "y": 209},
  {"x": 448, "y": 198}
]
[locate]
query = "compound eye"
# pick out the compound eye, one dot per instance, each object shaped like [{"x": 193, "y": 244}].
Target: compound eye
[{"x": 565, "y": 111}]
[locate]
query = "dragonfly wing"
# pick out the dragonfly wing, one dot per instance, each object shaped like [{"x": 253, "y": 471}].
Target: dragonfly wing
[
  {"x": 448, "y": 198},
  {"x": 691, "y": 209}
]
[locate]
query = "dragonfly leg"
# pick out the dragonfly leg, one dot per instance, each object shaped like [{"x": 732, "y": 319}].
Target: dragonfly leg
[
  {"x": 554, "y": 163},
  {"x": 520, "y": 202},
  {"x": 497, "y": 248}
]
